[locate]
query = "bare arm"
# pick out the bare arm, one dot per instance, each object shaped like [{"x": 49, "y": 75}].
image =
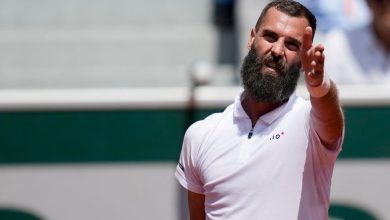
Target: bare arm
[
  {"x": 196, "y": 206},
  {"x": 328, "y": 118}
]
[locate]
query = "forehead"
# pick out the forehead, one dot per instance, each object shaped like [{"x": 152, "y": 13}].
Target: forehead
[{"x": 284, "y": 24}]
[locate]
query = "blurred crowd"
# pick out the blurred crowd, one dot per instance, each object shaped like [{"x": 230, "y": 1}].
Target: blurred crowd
[{"x": 356, "y": 35}]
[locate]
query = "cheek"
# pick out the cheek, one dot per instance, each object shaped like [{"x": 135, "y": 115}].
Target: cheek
[
  {"x": 261, "y": 46},
  {"x": 293, "y": 59}
]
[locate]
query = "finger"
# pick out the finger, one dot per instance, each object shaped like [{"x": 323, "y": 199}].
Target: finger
[
  {"x": 317, "y": 71},
  {"x": 319, "y": 47},
  {"x": 318, "y": 68},
  {"x": 307, "y": 39},
  {"x": 313, "y": 64},
  {"x": 319, "y": 57},
  {"x": 317, "y": 63}
]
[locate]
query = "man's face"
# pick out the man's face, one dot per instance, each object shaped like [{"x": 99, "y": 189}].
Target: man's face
[
  {"x": 271, "y": 69},
  {"x": 274, "y": 84}
]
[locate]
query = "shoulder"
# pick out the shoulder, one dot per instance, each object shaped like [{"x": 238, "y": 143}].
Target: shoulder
[
  {"x": 299, "y": 111},
  {"x": 300, "y": 105},
  {"x": 200, "y": 129}
]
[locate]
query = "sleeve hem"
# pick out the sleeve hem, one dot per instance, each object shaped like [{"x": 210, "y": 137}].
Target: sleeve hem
[{"x": 187, "y": 185}]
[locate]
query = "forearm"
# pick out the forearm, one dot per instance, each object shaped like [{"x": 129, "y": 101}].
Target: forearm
[{"x": 327, "y": 115}]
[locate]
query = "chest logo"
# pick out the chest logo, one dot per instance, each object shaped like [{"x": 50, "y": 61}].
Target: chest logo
[{"x": 277, "y": 136}]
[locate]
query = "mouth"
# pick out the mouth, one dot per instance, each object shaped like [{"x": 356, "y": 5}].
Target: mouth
[{"x": 272, "y": 67}]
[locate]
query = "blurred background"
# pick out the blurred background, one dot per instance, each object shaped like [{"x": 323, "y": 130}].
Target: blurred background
[{"x": 95, "y": 97}]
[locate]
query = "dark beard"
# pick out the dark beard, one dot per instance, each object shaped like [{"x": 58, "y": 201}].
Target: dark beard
[{"x": 267, "y": 87}]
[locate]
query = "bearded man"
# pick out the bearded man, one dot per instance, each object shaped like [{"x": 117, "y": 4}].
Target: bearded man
[{"x": 269, "y": 155}]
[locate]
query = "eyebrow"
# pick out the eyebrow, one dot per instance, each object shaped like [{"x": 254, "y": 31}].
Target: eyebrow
[{"x": 291, "y": 39}]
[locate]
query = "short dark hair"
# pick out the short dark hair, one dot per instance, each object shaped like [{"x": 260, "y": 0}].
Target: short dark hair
[{"x": 291, "y": 8}]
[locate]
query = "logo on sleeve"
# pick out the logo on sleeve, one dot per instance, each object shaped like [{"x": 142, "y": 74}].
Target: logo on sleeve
[{"x": 181, "y": 166}]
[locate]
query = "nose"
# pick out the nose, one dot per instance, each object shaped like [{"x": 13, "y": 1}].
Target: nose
[{"x": 277, "y": 49}]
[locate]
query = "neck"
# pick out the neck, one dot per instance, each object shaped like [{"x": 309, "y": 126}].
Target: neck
[{"x": 256, "y": 109}]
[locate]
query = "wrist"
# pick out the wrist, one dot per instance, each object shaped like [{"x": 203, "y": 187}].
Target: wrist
[{"x": 320, "y": 90}]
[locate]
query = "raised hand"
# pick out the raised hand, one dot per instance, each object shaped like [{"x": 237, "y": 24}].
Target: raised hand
[{"x": 312, "y": 58}]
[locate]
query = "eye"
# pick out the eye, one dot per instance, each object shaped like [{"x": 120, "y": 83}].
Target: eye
[
  {"x": 270, "y": 37},
  {"x": 292, "y": 46}
]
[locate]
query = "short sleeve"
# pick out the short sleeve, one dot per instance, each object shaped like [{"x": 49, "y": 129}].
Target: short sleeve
[
  {"x": 323, "y": 154},
  {"x": 187, "y": 171}
]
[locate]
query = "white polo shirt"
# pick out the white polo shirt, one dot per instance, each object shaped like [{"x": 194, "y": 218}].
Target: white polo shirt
[{"x": 283, "y": 172}]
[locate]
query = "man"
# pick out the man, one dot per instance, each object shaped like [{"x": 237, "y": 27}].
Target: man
[
  {"x": 362, "y": 55},
  {"x": 270, "y": 155}
]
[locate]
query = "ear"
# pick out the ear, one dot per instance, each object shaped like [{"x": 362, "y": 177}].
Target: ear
[{"x": 251, "y": 38}]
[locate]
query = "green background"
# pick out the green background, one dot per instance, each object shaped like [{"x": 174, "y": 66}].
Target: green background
[{"x": 147, "y": 135}]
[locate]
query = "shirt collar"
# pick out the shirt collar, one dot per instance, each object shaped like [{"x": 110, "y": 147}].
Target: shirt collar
[{"x": 269, "y": 117}]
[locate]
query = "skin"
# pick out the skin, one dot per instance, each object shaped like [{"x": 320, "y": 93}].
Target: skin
[
  {"x": 196, "y": 206},
  {"x": 381, "y": 21},
  {"x": 289, "y": 38}
]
